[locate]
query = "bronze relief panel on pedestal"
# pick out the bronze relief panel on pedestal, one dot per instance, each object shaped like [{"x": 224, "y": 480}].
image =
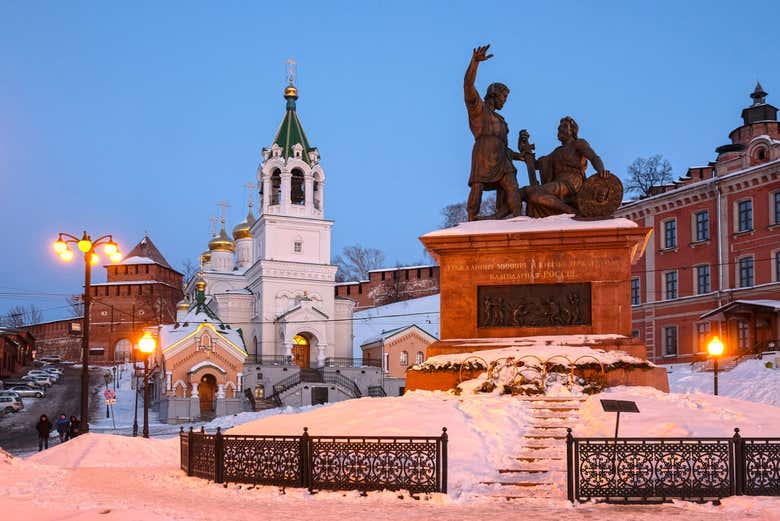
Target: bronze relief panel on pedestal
[{"x": 534, "y": 305}]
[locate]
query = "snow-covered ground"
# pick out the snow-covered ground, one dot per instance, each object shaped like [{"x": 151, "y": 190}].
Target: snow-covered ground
[
  {"x": 109, "y": 477},
  {"x": 751, "y": 380}
]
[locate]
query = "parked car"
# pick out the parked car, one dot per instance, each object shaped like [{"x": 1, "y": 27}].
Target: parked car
[
  {"x": 38, "y": 380},
  {"x": 11, "y": 404},
  {"x": 27, "y": 391},
  {"x": 45, "y": 374},
  {"x": 11, "y": 393},
  {"x": 51, "y": 359},
  {"x": 52, "y": 368}
]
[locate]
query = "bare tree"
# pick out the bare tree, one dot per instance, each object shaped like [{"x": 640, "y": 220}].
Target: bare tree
[
  {"x": 189, "y": 269},
  {"x": 355, "y": 262},
  {"x": 453, "y": 214},
  {"x": 76, "y": 303},
  {"x": 644, "y": 174},
  {"x": 19, "y": 316}
]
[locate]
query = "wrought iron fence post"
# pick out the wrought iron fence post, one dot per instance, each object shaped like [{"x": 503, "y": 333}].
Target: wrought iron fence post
[
  {"x": 305, "y": 458},
  {"x": 219, "y": 457},
  {"x": 443, "y": 462},
  {"x": 739, "y": 463},
  {"x": 190, "y": 450},
  {"x": 569, "y": 465}
]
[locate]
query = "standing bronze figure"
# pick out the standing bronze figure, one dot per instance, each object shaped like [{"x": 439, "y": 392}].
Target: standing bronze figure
[{"x": 491, "y": 157}]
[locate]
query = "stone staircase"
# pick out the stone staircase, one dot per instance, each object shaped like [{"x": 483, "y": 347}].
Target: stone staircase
[{"x": 539, "y": 469}]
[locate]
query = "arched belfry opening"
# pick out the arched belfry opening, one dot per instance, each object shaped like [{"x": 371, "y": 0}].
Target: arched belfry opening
[{"x": 297, "y": 190}]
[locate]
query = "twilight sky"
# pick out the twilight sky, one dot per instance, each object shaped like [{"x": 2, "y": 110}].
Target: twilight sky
[{"x": 141, "y": 117}]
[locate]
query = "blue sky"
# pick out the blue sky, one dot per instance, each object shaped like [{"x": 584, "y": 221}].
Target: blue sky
[{"x": 141, "y": 117}]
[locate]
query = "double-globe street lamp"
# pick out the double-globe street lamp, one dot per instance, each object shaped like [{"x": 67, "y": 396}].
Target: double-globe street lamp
[
  {"x": 146, "y": 345},
  {"x": 88, "y": 247},
  {"x": 715, "y": 349}
]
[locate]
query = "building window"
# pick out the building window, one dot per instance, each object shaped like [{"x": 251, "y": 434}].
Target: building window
[
  {"x": 702, "y": 335},
  {"x": 670, "y": 234},
  {"x": 636, "y": 298},
  {"x": 276, "y": 187},
  {"x": 298, "y": 247},
  {"x": 743, "y": 334},
  {"x": 702, "y": 226},
  {"x": 745, "y": 272},
  {"x": 776, "y": 196},
  {"x": 419, "y": 358},
  {"x": 635, "y": 333},
  {"x": 670, "y": 284},
  {"x": 670, "y": 341},
  {"x": 702, "y": 279},
  {"x": 777, "y": 266},
  {"x": 297, "y": 193},
  {"x": 404, "y": 358},
  {"x": 745, "y": 215}
]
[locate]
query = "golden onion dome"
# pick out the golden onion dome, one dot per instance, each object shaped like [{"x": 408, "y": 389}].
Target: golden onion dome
[
  {"x": 291, "y": 91},
  {"x": 205, "y": 256},
  {"x": 243, "y": 229},
  {"x": 222, "y": 242},
  {"x": 183, "y": 305},
  {"x": 200, "y": 283}
]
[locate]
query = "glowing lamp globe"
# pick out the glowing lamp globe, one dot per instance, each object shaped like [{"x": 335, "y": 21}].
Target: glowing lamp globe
[
  {"x": 110, "y": 248},
  {"x": 115, "y": 257},
  {"x": 67, "y": 255},
  {"x": 94, "y": 259},
  {"x": 60, "y": 246},
  {"x": 85, "y": 244},
  {"x": 147, "y": 343},
  {"x": 715, "y": 347}
]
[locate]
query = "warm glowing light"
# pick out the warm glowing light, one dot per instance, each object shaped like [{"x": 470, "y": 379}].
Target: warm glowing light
[
  {"x": 60, "y": 246},
  {"x": 715, "y": 347},
  {"x": 67, "y": 255},
  {"x": 94, "y": 259},
  {"x": 110, "y": 248},
  {"x": 115, "y": 257},
  {"x": 85, "y": 244},
  {"x": 147, "y": 344}
]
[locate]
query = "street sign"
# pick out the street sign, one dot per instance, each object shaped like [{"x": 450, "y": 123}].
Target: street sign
[
  {"x": 618, "y": 406},
  {"x": 109, "y": 394}
]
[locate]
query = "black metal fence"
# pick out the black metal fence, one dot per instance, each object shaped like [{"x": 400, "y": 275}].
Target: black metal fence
[
  {"x": 657, "y": 469},
  {"x": 413, "y": 463}
]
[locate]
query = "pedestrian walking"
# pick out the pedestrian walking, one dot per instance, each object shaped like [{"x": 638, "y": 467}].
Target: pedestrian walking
[
  {"x": 63, "y": 426},
  {"x": 75, "y": 427},
  {"x": 44, "y": 428}
]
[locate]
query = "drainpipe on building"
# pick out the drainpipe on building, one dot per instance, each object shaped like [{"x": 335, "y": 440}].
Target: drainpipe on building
[{"x": 720, "y": 247}]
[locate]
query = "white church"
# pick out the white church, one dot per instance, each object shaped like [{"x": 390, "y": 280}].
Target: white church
[{"x": 272, "y": 282}]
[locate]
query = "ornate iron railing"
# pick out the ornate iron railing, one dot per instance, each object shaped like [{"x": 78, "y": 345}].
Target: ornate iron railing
[
  {"x": 414, "y": 463},
  {"x": 351, "y": 362},
  {"x": 376, "y": 391},
  {"x": 271, "y": 360},
  {"x": 287, "y": 383},
  {"x": 651, "y": 469}
]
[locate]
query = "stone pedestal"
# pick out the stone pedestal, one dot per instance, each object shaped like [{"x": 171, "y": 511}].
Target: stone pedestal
[{"x": 531, "y": 277}]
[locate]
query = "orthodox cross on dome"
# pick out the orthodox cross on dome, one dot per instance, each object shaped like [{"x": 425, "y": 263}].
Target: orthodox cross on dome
[
  {"x": 223, "y": 205},
  {"x": 213, "y": 220},
  {"x": 250, "y": 188},
  {"x": 291, "y": 63}
]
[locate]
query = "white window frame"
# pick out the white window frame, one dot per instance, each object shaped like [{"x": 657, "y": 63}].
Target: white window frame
[
  {"x": 752, "y": 215},
  {"x": 664, "y": 285},
  {"x": 665, "y": 354},
  {"x": 696, "y": 279},
  {"x": 663, "y": 234},
  {"x": 738, "y": 271},
  {"x": 695, "y": 226},
  {"x": 403, "y": 358},
  {"x": 639, "y": 292}
]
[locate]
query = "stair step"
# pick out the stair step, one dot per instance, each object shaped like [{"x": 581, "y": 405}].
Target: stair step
[
  {"x": 554, "y": 398},
  {"x": 523, "y": 471},
  {"x": 549, "y": 427},
  {"x": 524, "y": 484},
  {"x": 530, "y": 459},
  {"x": 544, "y": 437}
]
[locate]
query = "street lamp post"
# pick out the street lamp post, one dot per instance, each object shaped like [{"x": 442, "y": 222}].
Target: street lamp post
[
  {"x": 107, "y": 377},
  {"x": 146, "y": 345},
  {"x": 715, "y": 349},
  {"x": 87, "y": 246}
]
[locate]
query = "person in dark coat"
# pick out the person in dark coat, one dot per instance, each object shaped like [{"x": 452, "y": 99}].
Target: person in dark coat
[
  {"x": 63, "y": 426},
  {"x": 44, "y": 427},
  {"x": 75, "y": 427}
]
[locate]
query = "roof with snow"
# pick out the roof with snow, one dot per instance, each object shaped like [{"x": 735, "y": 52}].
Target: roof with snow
[
  {"x": 554, "y": 223},
  {"x": 734, "y": 306},
  {"x": 386, "y": 335},
  {"x": 145, "y": 252},
  {"x": 371, "y": 323}
]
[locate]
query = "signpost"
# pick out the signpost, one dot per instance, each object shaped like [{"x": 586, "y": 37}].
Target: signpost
[
  {"x": 110, "y": 396},
  {"x": 618, "y": 406}
]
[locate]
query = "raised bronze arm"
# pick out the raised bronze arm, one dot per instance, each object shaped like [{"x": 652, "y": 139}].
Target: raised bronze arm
[{"x": 470, "y": 92}]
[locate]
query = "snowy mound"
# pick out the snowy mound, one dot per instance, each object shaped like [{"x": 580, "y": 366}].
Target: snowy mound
[
  {"x": 677, "y": 415},
  {"x": 483, "y": 430},
  {"x": 542, "y": 347},
  {"x": 751, "y": 380},
  {"x": 554, "y": 223},
  {"x": 106, "y": 450}
]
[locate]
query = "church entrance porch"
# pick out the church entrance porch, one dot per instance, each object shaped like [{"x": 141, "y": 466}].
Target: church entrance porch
[{"x": 206, "y": 392}]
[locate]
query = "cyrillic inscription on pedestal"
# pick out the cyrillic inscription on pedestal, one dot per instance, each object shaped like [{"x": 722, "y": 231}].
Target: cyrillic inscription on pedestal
[{"x": 534, "y": 305}]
